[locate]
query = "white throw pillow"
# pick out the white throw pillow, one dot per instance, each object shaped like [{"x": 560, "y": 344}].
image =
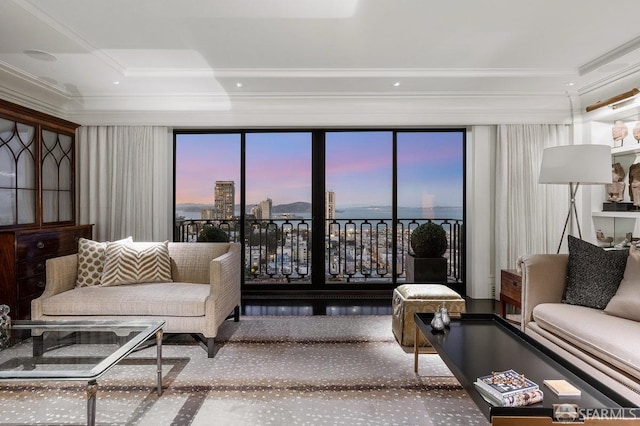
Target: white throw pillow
[
  {"x": 91, "y": 261},
  {"x": 626, "y": 302},
  {"x": 136, "y": 263}
]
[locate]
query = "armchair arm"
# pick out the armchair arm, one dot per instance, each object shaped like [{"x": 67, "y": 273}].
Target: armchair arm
[
  {"x": 224, "y": 296},
  {"x": 543, "y": 281},
  {"x": 225, "y": 272},
  {"x": 62, "y": 274}
]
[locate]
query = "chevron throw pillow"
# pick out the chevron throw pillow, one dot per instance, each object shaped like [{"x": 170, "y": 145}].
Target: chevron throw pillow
[{"x": 136, "y": 263}]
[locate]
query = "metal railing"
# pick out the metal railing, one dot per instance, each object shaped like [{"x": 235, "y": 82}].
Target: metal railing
[{"x": 356, "y": 250}]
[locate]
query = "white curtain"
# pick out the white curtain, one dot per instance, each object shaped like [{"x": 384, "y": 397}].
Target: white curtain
[
  {"x": 529, "y": 216},
  {"x": 124, "y": 181}
]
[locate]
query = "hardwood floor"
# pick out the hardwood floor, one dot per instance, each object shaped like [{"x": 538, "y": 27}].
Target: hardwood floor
[{"x": 285, "y": 306}]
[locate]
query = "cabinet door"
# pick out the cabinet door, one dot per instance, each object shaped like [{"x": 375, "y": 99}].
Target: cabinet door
[
  {"x": 57, "y": 177},
  {"x": 18, "y": 182}
]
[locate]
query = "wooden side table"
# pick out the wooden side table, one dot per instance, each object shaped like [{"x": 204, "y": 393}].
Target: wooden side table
[{"x": 510, "y": 290}]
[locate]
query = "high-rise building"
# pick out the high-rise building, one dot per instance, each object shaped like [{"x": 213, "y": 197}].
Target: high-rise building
[
  {"x": 206, "y": 214},
  {"x": 225, "y": 199},
  {"x": 330, "y": 205},
  {"x": 265, "y": 207}
]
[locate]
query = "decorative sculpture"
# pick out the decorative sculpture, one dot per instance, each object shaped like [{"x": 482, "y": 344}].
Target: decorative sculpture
[
  {"x": 616, "y": 188},
  {"x": 5, "y": 319},
  {"x": 619, "y": 132},
  {"x": 634, "y": 184},
  {"x": 602, "y": 240}
]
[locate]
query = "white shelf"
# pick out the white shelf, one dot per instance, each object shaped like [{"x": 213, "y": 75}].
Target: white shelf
[
  {"x": 629, "y": 215},
  {"x": 632, "y": 147}
]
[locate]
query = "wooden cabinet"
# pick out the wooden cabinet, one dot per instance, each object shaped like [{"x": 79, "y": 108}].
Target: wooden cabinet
[
  {"x": 37, "y": 201},
  {"x": 23, "y": 257},
  {"x": 510, "y": 290}
]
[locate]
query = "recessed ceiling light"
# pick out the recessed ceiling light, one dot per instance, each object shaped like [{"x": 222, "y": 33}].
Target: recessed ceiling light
[
  {"x": 396, "y": 84},
  {"x": 40, "y": 55},
  {"x": 239, "y": 84},
  {"x": 569, "y": 84},
  {"x": 116, "y": 82}
]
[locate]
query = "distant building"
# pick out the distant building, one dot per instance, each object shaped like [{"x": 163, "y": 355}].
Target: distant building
[
  {"x": 225, "y": 199},
  {"x": 330, "y": 205},
  {"x": 206, "y": 214},
  {"x": 256, "y": 211},
  {"x": 265, "y": 209}
]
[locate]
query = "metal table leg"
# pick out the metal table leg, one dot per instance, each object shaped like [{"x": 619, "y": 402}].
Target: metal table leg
[
  {"x": 415, "y": 350},
  {"x": 92, "y": 390},
  {"x": 159, "y": 348}
]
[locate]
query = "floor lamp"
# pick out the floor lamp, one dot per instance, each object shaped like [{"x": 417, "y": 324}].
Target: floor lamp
[{"x": 575, "y": 165}]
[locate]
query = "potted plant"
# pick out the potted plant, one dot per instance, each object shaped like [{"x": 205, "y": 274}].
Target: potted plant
[
  {"x": 212, "y": 234},
  {"x": 426, "y": 264}
]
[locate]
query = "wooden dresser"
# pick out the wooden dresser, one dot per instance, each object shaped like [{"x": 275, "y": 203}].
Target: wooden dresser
[{"x": 23, "y": 255}]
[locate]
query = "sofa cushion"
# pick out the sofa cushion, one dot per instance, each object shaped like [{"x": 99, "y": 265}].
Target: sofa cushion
[
  {"x": 593, "y": 274},
  {"x": 170, "y": 299},
  {"x": 608, "y": 338},
  {"x": 626, "y": 302},
  {"x": 139, "y": 263},
  {"x": 91, "y": 260}
]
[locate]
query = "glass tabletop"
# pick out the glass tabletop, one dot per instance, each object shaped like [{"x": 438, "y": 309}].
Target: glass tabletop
[{"x": 68, "y": 350}]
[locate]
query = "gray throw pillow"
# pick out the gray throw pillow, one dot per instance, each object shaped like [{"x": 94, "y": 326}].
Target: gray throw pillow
[{"x": 593, "y": 274}]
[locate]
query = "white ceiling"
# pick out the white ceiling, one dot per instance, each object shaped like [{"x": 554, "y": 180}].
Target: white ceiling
[{"x": 331, "y": 62}]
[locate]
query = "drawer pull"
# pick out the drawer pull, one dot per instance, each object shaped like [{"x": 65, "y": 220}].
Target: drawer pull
[
  {"x": 40, "y": 245},
  {"x": 40, "y": 266},
  {"x": 515, "y": 283},
  {"x": 40, "y": 284}
]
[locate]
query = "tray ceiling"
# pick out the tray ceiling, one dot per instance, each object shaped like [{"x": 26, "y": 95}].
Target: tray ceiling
[{"x": 87, "y": 59}]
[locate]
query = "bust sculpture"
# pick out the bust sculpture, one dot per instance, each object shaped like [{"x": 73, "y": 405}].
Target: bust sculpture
[
  {"x": 615, "y": 189},
  {"x": 619, "y": 132}
]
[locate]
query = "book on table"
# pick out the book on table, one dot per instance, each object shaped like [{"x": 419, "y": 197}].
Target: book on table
[
  {"x": 562, "y": 388},
  {"x": 508, "y": 388}
]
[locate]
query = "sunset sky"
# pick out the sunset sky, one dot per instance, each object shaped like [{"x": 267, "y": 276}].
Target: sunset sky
[{"x": 358, "y": 167}]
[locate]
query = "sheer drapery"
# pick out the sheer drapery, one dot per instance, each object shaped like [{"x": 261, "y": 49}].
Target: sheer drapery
[
  {"x": 124, "y": 181},
  {"x": 529, "y": 216}
]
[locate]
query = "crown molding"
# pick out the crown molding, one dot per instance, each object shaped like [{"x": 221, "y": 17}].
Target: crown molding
[
  {"x": 392, "y": 72},
  {"x": 279, "y": 111}
]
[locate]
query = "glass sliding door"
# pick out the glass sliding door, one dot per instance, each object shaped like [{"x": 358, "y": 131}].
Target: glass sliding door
[
  {"x": 430, "y": 187},
  {"x": 359, "y": 199},
  {"x": 278, "y": 207},
  {"x": 323, "y": 209},
  {"x": 207, "y": 184}
]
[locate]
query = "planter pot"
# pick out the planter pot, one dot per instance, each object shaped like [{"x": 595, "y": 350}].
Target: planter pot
[{"x": 426, "y": 270}]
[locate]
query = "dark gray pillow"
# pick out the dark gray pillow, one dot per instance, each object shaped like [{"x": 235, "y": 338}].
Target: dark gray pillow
[{"x": 593, "y": 274}]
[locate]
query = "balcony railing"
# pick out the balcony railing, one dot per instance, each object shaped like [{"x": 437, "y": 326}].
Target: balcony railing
[{"x": 356, "y": 250}]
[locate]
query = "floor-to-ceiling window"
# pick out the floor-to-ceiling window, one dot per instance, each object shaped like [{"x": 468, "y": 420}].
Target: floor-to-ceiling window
[{"x": 322, "y": 209}]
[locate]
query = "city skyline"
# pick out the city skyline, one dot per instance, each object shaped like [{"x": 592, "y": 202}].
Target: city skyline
[{"x": 358, "y": 167}]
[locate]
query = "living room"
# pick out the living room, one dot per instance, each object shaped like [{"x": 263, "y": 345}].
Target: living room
[{"x": 112, "y": 75}]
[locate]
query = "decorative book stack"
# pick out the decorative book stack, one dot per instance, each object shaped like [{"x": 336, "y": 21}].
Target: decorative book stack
[{"x": 508, "y": 389}]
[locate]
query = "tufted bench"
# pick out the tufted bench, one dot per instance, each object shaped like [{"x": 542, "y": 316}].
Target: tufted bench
[{"x": 411, "y": 298}]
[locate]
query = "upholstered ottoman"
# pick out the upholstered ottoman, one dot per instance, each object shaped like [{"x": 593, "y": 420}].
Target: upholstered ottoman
[{"x": 411, "y": 298}]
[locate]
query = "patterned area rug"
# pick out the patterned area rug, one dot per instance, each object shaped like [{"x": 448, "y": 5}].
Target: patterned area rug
[{"x": 319, "y": 370}]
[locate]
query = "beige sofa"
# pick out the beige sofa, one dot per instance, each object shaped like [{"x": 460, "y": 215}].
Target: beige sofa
[
  {"x": 205, "y": 290},
  {"x": 605, "y": 346}
]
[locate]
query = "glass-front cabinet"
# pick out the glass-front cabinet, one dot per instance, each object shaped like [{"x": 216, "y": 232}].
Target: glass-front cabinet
[{"x": 36, "y": 170}]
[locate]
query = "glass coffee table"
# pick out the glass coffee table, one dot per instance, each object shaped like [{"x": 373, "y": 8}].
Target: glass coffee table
[
  {"x": 477, "y": 344},
  {"x": 73, "y": 350}
]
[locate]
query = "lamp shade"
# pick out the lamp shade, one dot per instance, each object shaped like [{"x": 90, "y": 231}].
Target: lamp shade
[{"x": 584, "y": 164}]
